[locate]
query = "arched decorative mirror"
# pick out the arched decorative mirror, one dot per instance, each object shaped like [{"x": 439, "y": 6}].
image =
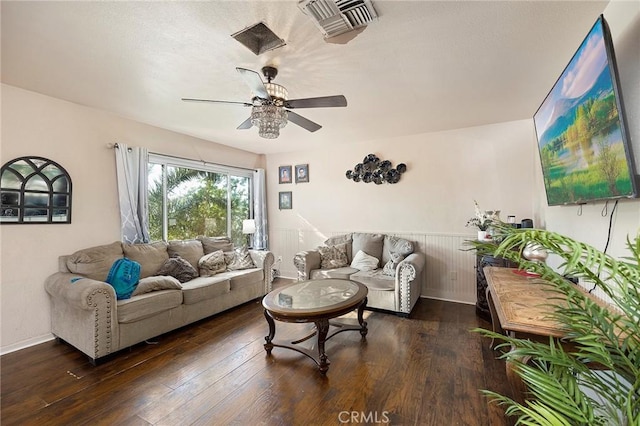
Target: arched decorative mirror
[{"x": 34, "y": 190}]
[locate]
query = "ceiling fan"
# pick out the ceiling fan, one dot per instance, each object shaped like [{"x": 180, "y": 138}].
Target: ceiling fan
[{"x": 270, "y": 108}]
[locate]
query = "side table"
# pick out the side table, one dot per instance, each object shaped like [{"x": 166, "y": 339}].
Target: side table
[{"x": 482, "y": 260}]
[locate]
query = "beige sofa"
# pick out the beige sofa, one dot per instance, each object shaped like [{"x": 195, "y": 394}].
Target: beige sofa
[
  {"x": 393, "y": 286},
  {"x": 86, "y": 314}
]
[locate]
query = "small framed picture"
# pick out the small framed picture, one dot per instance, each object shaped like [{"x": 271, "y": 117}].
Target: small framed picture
[
  {"x": 302, "y": 173},
  {"x": 286, "y": 203},
  {"x": 284, "y": 174}
]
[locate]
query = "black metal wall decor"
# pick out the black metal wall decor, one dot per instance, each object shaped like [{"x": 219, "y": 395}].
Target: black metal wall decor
[{"x": 373, "y": 169}]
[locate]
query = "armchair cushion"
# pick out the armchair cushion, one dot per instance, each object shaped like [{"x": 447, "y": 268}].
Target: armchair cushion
[
  {"x": 340, "y": 273},
  {"x": 333, "y": 256},
  {"x": 364, "y": 262},
  {"x": 368, "y": 243},
  {"x": 375, "y": 280}
]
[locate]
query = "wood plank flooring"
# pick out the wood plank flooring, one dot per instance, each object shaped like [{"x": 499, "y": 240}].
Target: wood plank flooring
[{"x": 422, "y": 370}]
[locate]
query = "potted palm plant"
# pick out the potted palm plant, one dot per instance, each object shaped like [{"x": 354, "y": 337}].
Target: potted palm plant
[{"x": 563, "y": 388}]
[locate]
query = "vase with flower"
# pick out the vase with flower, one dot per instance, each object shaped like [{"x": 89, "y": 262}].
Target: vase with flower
[{"x": 483, "y": 220}]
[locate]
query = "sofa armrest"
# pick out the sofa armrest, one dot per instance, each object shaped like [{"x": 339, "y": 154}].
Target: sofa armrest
[
  {"x": 305, "y": 262},
  {"x": 84, "y": 313},
  {"x": 77, "y": 290},
  {"x": 264, "y": 259},
  {"x": 409, "y": 281}
]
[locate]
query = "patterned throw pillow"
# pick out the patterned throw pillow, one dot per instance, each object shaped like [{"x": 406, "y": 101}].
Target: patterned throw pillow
[
  {"x": 333, "y": 256},
  {"x": 178, "y": 268},
  {"x": 241, "y": 260},
  {"x": 390, "y": 267},
  {"x": 212, "y": 263}
]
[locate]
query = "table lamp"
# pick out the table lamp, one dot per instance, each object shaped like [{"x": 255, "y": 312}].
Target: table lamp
[{"x": 249, "y": 228}]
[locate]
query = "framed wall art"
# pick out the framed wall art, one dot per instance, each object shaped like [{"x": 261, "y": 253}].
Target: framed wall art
[
  {"x": 302, "y": 173},
  {"x": 284, "y": 174},
  {"x": 285, "y": 200}
]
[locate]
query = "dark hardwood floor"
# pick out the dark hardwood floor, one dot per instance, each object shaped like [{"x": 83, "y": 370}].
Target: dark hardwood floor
[{"x": 424, "y": 370}]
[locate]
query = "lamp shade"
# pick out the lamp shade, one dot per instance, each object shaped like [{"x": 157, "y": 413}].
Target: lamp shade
[{"x": 248, "y": 226}]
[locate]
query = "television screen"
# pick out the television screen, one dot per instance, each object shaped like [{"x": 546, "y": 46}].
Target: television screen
[{"x": 582, "y": 138}]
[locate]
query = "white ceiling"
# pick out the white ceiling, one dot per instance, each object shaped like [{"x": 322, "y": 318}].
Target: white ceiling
[{"x": 424, "y": 66}]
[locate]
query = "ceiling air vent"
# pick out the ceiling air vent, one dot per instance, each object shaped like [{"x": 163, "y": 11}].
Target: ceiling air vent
[
  {"x": 335, "y": 17},
  {"x": 258, "y": 38}
]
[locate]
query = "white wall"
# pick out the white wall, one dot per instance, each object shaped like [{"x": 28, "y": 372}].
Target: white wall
[
  {"x": 591, "y": 227},
  {"x": 494, "y": 165},
  {"x": 76, "y": 137}
]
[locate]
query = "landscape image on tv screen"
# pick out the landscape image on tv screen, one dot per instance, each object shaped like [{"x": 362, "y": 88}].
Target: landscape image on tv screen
[{"x": 580, "y": 129}]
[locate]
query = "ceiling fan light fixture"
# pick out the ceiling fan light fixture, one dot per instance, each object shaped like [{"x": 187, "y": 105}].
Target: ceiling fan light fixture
[{"x": 269, "y": 119}]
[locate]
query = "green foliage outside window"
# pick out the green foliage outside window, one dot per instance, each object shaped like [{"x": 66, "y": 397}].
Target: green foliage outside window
[{"x": 197, "y": 203}]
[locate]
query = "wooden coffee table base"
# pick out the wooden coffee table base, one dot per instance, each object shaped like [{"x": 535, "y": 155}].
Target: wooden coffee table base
[{"x": 322, "y": 331}]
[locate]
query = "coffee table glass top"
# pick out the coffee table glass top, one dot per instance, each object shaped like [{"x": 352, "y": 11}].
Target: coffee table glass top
[{"x": 314, "y": 295}]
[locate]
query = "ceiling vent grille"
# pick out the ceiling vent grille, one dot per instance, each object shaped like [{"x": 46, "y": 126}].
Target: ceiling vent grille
[{"x": 335, "y": 17}]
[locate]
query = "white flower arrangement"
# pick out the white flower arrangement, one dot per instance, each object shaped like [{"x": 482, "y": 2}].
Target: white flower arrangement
[{"x": 483, "y": 219}]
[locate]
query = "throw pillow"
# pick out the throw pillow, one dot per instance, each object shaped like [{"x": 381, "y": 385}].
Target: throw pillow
[
  {"x": 123, "y": 277},
  {"x": 241, "y": 260},
  {"x": 155, "y": 283},
  {"x": 178, "y": 268},
  {"x": 333, "y": 256},
  {"x": 212, "y": 263},
  {"x": 390, "y": 267},
  {"x": 364, "y": 262},
  {"x": 394, "y": 244}
]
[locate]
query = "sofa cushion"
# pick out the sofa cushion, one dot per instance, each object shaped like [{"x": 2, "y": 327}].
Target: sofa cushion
[
  {"x": 212, "y": 263},
  {"x": 205, "y": 288},
  {"x": 341, "y": 239},
  {"x": 241, "y": 259},
  {"x": 239, "y": 279},
  {"x": 341, "y": 273},
  {"x": 95, "y": 262},
  {"x": 190, "y": 250},
  {"x": 390, "y": 267},
  {"x": 211, "y": 244},
  {"x": 156, "y": 283},
  {"x": 364, "y": 262},
  {"x": 149, "y": 256},
  {"x": 368, "y": 243},
  {"x": 147, "y": 305},
  {"x": 178, "y": 268},
  {"x": 374, "y": 280},
  {"x": 395, "y": 245}
]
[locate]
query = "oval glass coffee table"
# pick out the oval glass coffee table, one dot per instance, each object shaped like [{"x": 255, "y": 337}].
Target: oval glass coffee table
[{"x": 315, "y": 301}]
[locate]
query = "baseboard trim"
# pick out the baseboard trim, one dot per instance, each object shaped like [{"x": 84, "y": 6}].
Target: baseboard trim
[{"x": 26, "y": 344}]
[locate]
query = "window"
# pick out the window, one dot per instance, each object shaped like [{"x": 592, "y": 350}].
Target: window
[
  {"x": 189, "y": 198},
  {"x": 35, "y": 190}
]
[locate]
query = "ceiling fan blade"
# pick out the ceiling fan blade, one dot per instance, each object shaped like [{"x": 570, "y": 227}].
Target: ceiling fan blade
[
  {"x": 216, "y": 102},
  {"x": 255, "y": 83},
  {"x": 246, "y": 124},
  {"x": 321, "y": 102},
  {"x": 303, "y": 122}
]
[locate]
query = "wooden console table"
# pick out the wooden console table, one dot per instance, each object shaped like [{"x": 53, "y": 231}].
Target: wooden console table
[{"x": 520, "y": 307}]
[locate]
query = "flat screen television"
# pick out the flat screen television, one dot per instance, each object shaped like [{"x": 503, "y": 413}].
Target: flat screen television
[{"x": 582, "y": 135}]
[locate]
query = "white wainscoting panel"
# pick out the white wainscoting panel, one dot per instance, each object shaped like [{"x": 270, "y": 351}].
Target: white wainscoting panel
[{"x": 449, "y": 273}]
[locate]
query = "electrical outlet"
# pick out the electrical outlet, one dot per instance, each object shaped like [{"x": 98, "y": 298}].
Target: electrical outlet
[
  {"x": 279, "y": 258},
  {"x": 453, "y": 275}
]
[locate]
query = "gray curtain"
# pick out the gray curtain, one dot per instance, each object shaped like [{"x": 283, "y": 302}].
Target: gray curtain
[
  {"x": 131, "y": 168},
  {"x": 261, "y": 236}
]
